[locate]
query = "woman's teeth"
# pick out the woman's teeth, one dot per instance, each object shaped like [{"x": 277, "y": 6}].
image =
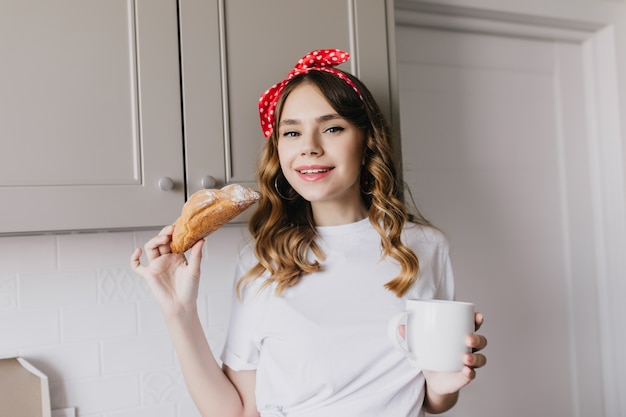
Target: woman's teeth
[{"x": 313, "y": 171}]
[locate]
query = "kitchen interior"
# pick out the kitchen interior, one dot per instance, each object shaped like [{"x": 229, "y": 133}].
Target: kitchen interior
[{"x": 509, "y": 116}]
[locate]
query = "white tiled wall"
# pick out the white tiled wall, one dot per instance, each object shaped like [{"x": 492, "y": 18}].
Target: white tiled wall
[{"x": 72, "y": 306}]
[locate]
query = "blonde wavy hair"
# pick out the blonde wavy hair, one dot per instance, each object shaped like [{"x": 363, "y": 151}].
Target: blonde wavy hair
[{"x": 283, "y": 228}]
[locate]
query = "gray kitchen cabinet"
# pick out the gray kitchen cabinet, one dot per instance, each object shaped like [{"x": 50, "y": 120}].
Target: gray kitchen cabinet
[
  {"x": 90, "y": 119},
  {"x": 114, "y": 111}
]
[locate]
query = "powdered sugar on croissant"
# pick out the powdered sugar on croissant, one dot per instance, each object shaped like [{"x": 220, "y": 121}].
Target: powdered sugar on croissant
[{"x": 208, "y": 210}]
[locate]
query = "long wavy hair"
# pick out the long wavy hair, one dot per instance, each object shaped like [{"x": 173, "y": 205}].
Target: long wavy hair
[{"x": 282, "y": 225}]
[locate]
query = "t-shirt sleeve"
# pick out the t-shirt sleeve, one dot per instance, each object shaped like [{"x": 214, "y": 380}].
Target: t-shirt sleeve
[
  {"x": 241, "y": 350},
  {"x": 445, "y": 287},
  {"x": 436, "y": 279}
]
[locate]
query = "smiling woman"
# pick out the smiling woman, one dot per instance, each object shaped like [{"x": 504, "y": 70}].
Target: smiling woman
[{"x": 334, "y": 255}]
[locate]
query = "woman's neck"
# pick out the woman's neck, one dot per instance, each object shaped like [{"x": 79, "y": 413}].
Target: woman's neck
[{"x": 333, "y": 214}]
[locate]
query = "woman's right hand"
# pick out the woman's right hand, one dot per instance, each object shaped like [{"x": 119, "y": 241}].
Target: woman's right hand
[{"x": 173, "y": 279}]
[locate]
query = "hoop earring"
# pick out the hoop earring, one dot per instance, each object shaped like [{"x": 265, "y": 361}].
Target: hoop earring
[
  {"x": 276, "y": 187},
  {"x": 366, "y": 186}
]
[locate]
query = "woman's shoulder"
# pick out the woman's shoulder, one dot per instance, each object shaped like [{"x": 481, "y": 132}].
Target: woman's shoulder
[{"x": 423, "y": 234}]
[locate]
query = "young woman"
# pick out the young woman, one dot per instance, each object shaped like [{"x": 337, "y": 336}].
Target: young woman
[{"x": 334, "y": 255}]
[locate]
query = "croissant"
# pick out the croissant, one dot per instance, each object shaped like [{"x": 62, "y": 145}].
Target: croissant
[{"x": 208, "y": 210}]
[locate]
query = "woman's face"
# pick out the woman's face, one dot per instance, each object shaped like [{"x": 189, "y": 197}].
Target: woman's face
[{"x": 321, "y": 155}]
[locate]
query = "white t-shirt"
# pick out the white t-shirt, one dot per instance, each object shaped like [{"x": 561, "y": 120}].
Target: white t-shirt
[{"x": 321, "y": 348}]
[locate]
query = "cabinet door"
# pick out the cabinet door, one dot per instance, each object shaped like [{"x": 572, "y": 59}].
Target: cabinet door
[
  {"x": 90, "y": 115},
  {"x": 260, "y": 41},
  {"x": 204, "y": 109}
]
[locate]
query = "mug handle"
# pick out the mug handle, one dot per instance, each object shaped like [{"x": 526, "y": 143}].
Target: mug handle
[{"x": 392, "y": 332}]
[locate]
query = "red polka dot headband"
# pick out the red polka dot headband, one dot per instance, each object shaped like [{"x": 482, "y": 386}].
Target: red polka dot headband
[{"x": 318, "y": 60}]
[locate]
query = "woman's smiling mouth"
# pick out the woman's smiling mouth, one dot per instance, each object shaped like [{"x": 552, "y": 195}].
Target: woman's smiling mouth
[{"x": 313, "y": 173}]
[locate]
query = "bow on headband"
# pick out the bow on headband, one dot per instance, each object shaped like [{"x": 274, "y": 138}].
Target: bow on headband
[{"x": 318, "y": 60}]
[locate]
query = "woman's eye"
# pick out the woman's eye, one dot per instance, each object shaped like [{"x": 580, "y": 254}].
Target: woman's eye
[
  {"x": 290, "y": 134},
  {"x": 334, "y": 129}
]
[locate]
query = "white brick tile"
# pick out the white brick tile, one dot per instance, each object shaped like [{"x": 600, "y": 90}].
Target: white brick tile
[
  {"x": 25, "y": 254},
  {"x": 97, "y": 395},
  {"x": 165, "y": 410},
  {"x": 71, "y": 304},
  {"x": 203, "y": 310},
  {"x": 217, "y": 338},
  {"x": 187, "y": 408},
  {"x": 94, "y": 250},
  {"x": 219, "y": 309},
  {"x": 150, "y": 317},
  {"x": 137, "y": 353},
  {"x": 102, "y": 321},
  {"x": 141, "y": 237},
  {"x": 8, "y": 293},
  {"x": 28, "y": 328},
  {"x": 57, "y": 289},
  {"x": 121, "y": 284},
  {"x": 218, "y": 261},
  {"x": 79, "y": 360},
  {"x": 163, "y": 386},
  {"x": 9, "y": 353}
]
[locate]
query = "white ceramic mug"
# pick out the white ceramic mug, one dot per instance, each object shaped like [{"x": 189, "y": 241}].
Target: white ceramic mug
[{"x": 435, "y": 333}]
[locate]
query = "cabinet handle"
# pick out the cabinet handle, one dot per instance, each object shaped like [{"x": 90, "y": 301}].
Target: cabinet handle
[
  {"x": 208, "y": 181},
  {"x": 166, "y": 184}
]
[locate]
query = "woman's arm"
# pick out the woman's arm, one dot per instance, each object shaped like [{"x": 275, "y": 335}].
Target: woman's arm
[
  {"x": 174, "y": 282},
  {"x": 245, "y": 382},
  {"x": 212, "y": 391}
]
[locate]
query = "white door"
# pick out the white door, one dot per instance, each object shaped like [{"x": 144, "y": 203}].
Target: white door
[{"x": 496, "y": 152}]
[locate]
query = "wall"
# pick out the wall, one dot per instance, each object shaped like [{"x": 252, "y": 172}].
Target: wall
[
  {"x": 72, "y": 306},
  {"x": 604, "y": 284}
]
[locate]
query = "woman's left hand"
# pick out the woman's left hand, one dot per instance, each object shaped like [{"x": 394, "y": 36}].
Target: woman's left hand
[{"x": 445, "y": 383}]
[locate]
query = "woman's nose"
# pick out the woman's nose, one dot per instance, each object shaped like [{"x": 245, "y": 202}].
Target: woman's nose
[{"x": 311, "y": 145}]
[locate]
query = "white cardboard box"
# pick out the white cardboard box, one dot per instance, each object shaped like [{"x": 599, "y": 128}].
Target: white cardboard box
[{"x": 24, "y": 390}]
